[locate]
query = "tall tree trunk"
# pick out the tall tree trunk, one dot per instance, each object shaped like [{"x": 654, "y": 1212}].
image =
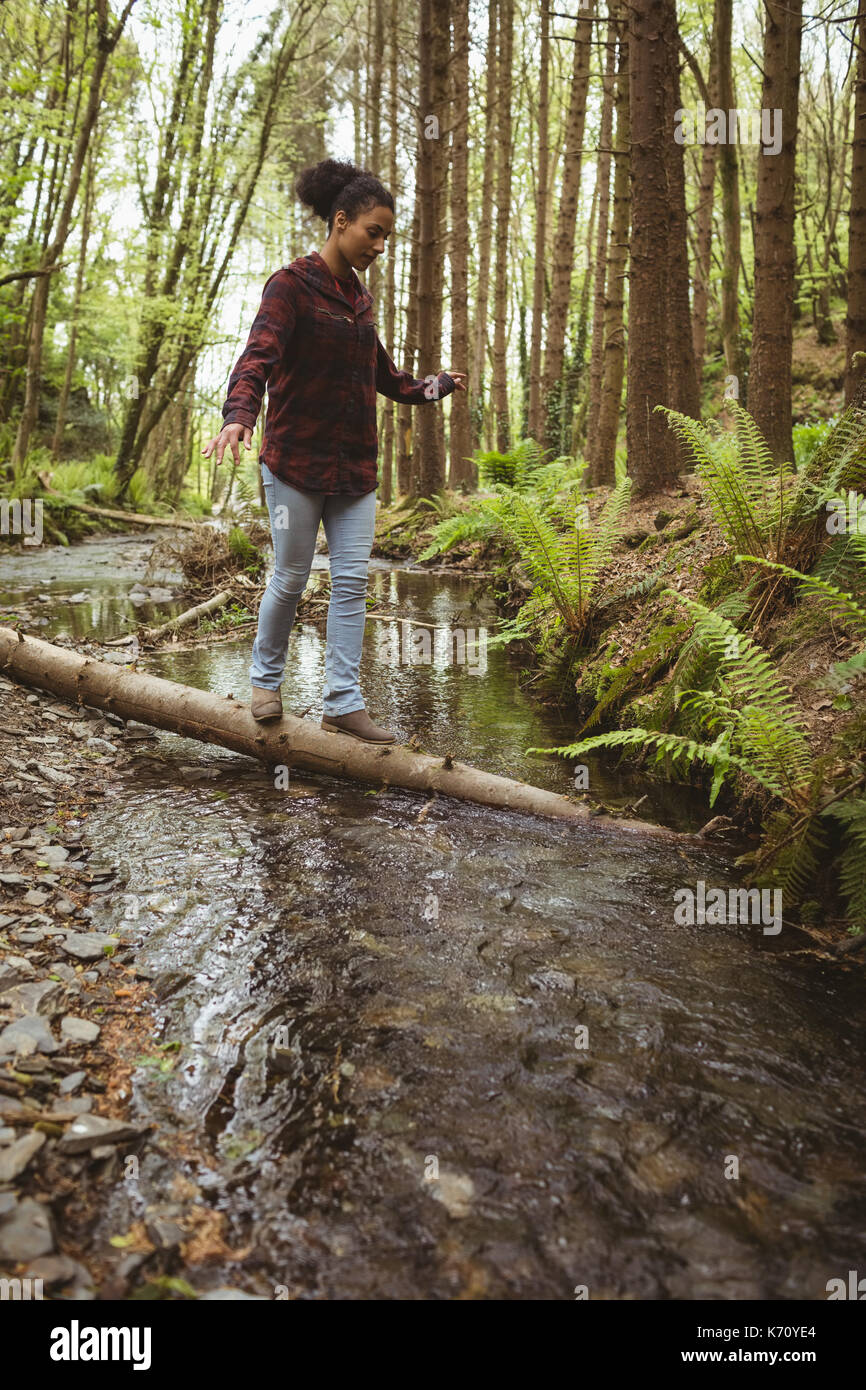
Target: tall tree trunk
[
  {"x": 682, "y": 385},
  {"x": 427, "y": 478},
  {"x": 60, "y": 423},
  {"x": 503, "y": 219},
  {"x": 478, "y": 368},
  {"x": 387, "y": 467},
  {"x": 406, "y": 458},
  {"x": 536, "y": 411},
  {"x": 106, "y": 42},
  {"x": 855, "y": 322},
  {"x": 563, "y": 255},
  {"x": 772, "y": 323},
  {"x": 604, "y": 455},
  {"x": 704, "y": 218},
  {"x": 441, "y": 167},
  {"x": 596, "y": 361},
  {"x": 652, "y": 453},
  {"x": 462, "y": 470},
  {"x": 730, "y": 187}
]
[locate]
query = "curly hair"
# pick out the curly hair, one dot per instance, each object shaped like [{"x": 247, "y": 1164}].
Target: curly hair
[{"x": 335, "y": 185}]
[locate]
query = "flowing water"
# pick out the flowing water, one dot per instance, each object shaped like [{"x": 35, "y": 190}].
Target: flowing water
[{"x": 431, "y": 1050}]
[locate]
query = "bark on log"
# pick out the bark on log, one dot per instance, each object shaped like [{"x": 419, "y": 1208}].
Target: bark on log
[{"x": 292, "y": 742}]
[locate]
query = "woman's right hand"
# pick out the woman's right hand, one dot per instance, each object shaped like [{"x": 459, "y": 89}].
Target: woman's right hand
[{"x": 229, "y": 437}]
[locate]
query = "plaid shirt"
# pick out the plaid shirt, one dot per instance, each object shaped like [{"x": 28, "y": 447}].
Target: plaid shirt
[{"x": 323, "y": 363}]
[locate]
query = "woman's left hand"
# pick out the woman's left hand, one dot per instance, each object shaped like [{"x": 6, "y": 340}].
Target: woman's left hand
[{"x": 458, "y": 377}]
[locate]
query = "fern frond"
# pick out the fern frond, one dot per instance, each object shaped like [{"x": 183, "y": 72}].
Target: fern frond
[
  {"x": 674, "y": 745},
  {"x": 767, "y": 730},
  {"x": 841, "y": 604},
  {"x": 851, "y": 814}
]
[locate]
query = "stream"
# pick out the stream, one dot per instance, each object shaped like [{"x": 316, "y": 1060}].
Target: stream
[{"x": 433, "y": 1050}]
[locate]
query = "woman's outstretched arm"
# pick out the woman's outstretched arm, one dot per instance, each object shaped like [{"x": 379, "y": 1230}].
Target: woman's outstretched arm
[
  {"x": 403, "y": 386},
  {"x": 272, "y": 327}
]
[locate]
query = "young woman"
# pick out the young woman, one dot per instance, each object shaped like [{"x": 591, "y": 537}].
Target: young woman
[{"x": 314, "y": 343}]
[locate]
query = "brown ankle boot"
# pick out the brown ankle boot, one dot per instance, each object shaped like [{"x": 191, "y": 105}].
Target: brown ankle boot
[
  {"x": 266, "y": 704},
  {"x": 358, "y": 725}
]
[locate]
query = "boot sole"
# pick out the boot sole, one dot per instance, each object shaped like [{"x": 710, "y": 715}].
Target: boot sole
[{"x": 335, "y": 729}]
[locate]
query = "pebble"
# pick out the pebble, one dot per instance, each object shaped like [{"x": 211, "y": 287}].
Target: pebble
[
  {"x": 34, "y": 997},
  {"x": 90, "y": 1131},
  {"x": 455, "y": 1191},
  {"x": 15, "y": 1158},
  {"x": 88, "y": 945},
  {"x": 34, "y": 898},
  {"x": 14, "y": 969},
  {"x": 25, "y": 1232},
  {"x": 27, "y": 1035},
  {"x": 79, "y": 1029},
  {"x": 71, "y": 1082},
  {"x": 53, "y": 1269}
]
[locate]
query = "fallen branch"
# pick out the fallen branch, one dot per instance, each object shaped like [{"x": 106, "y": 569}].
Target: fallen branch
[
  {"x": 189, "y": 616},
  {"x": 115, "y": 513},
  {"x": 292, "y": 742}
]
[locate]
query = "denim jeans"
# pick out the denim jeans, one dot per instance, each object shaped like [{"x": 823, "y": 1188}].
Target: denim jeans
[{"x": 349, "y": 524}]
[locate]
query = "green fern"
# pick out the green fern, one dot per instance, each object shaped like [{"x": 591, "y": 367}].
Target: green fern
[
  {"x": 851, "y": 815},
  {"x": 476, "y": 524},
  {"x": 759, "y": 732},
  {"x": 675, "y": 746},
  {"x": 745, "y": 488},
  {"x": 517, "y": 468},
  {"x": 564, "y": 564}
]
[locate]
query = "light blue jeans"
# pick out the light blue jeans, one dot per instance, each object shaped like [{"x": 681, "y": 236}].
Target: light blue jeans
[{"x": 349, "y": 524}]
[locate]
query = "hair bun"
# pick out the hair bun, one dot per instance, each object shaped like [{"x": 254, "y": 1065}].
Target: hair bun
[
  {"x": 319, "y": 185},
  {"x": 325, "y": 187}
]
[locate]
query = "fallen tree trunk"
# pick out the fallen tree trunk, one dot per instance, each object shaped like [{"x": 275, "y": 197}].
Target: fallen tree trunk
[
  {"x": 115, "y": 513},
  {"x": 292, "y": 742}
]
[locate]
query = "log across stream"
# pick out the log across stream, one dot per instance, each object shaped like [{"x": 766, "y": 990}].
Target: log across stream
[{"x": 290, "y": 742}]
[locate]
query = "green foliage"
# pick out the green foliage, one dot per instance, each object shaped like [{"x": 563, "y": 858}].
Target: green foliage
[
  {"x": 563, "y": 564},
  {"x": 807, "y": 437},
  {"x": 515, "y": 469},
  {"x": 745, "y": 488},
  {"x": 754, "y": 718},
  {"x": 241, "y": 548},
  {"x": 850, "y": 813},
  {"x": 478, "y": 523},
  {"x": 639, "y": 669},
  {"x": 840, "y": 605}
]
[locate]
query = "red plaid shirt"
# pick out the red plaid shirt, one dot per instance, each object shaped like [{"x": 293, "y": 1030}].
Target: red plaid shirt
[{"x": 323, "y": 363}]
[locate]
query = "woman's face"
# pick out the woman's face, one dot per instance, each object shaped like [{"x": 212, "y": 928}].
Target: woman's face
[{"x": 363, "y": 241}]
